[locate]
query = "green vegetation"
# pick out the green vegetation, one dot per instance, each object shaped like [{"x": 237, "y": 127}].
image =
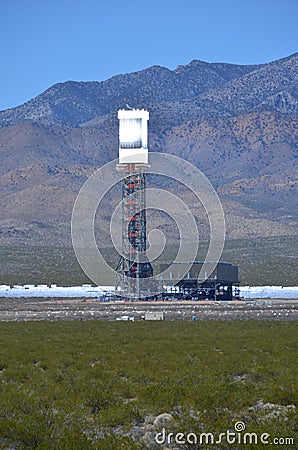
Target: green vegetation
[
  {"x": 80, "y": 385},
  {"x": 40, "y": 265},
  {"x": 264, "y": 261}
]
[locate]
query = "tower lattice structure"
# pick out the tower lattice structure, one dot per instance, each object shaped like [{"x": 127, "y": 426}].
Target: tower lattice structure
[
  {"x": 133, "y": 266},
  {"x": 134, "y": 271}
]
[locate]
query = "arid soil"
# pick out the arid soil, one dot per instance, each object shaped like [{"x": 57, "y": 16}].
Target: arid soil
[{"x": 12, "y": 309}]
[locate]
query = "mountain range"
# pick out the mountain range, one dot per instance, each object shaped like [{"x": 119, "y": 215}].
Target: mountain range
[{"x": 236, "y": 123}]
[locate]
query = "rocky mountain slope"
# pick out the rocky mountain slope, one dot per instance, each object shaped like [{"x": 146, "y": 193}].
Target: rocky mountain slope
[
  {"x": 74, "y": 103},
  {"x": 238, "y": 124}
]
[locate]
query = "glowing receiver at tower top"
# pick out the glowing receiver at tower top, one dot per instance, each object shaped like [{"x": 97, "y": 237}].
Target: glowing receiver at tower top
[{"x": 133, "y": 136}]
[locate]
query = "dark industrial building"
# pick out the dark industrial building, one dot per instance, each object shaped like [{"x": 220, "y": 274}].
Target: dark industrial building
[
  {"x": 222, "y": 284},
  {"x": 135, "y": 278}
]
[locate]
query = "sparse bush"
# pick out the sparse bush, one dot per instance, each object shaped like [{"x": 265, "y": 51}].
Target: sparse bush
[{"x": 80, "y": 385}]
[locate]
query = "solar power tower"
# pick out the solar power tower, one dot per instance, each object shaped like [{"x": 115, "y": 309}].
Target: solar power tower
[{"x": 133, "y": 267}]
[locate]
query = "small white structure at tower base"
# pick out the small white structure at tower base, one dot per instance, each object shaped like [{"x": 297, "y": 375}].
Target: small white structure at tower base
[{"x": 154, "y": 315}]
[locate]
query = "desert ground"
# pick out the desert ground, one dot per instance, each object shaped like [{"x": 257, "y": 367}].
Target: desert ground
[{"x": 22, "y": 309}]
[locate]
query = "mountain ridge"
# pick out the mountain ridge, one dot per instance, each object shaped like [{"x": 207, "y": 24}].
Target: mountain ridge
[
  {"x": 183, "y": 83},
  {"x": 238, "y": 124}
]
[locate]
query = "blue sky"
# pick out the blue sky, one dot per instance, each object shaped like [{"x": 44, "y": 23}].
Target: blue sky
[{"x": 49, "y": 41}]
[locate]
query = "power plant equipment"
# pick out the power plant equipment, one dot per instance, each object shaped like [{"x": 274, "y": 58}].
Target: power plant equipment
[{"x": 133, "y": 267}]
